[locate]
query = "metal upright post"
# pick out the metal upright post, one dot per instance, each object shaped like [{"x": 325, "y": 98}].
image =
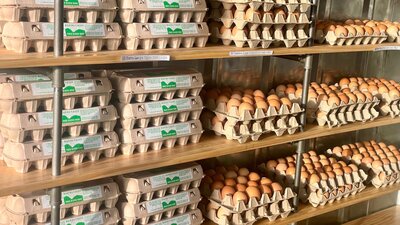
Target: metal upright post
[{"x": 58, "y": 84}]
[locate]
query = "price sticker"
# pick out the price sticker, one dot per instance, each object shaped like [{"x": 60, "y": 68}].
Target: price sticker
[
  {"x": 251, "y": 53},
  {"x": 145, "y": 58}
]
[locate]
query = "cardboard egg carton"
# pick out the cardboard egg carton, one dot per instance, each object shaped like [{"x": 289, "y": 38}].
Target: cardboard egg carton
[
  {"x": 11, "y": 76},
  {"x": 91, "y": 11},
  {"x": 35, "y": 207},
  {"x": 389, "y": 105},
  {"x": 36, "y": 126},
  {"x": 266, "y": 5},
  {"x": 155, "y": 84},
  {"x": 157, "y": 183},
  {"x": 23, "y": 37},
  {"x": 154, "y": 138},
  {"x": 163, "y": 35},
  {"x": 161, "y": 208},
  {"x": 25, "y": 156},
  {"x": 21, "y": 97},
  {"x": 332, "y": 39},
  {"x": 103, "y": 217},
  {"x": 192, "y": 217},
  {"x": 158, "y": 12}
]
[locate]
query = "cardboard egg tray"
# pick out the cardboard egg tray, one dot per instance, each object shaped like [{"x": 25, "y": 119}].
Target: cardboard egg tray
[
  {"x": 155, "y": 84},
  {"x": 161, "y": 208},
  {"x": 3, "y": 212},
  {"x": 103, "y": 217},
  {"x": 393, "y": 37},
  {"x": 193, "y": 217},
  {"x": 388, "y": 105},
  {"x": 38, "y": 155},
  {"x": 142, "y": 115},
  {"x": 332, "y": 39},
  {"x": 154, "y": 138},
  {"x": 35, "y": 207},
  {"x": 1, "y": 31},
  {"x": 2, "y": 141},
  {"x": 157, "y": 183},
  {"x": 23, "y": 37},
  {"x": 91, "y": 11},
  {"x": 163, "y": 35},
  {"x": 36, "y": 126},
  {"x": 266, "y": 5},
  {"x": 28, "y": 97},
  {"x": 157, "y": 12},
  {"x": 10, "y": 76}
]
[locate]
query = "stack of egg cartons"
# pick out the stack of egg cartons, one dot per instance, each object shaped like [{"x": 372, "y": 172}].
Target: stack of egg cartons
[
  {"x": 87, "y": 203},
  {"x": 89, "y": 25},
  {"x": 161, "y": 196},
  {"x": 160, "y": 24},
  {"x": 157, "y": 108},
  {"x": 88, "y": 120}
]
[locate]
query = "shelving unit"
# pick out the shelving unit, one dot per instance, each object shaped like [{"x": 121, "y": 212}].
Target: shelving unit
[{"x": 390, "y": 216}]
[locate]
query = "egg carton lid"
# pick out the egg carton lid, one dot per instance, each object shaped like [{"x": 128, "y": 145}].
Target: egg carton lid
[
  {"x": 193, "y": 217},
  {"x": 68, "y": 4},
  {"x": 152, "y": 80},
  {"x": 161, "y": 178},
  {"x": 72, "y": 31},
  {"x": 39, "y": 150},
  {"x": 21, "y": 75},
  {"x": 172, "y": 5},
  {"x": 43, "y": 120},
  {"x": 84, "y": 193}
]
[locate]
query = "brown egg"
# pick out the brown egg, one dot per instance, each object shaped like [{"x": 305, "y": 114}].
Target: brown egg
[
  {"x": 338, "y": 172},
  {"x": 290, "y": 90},
  {"x": 254, "y": 176},
  {"x": 361, "y": 97},
  {"x": 273, "y": 97},
  {"x": 376, "y": 30},
  {"x": 281, "y": 167},
  {"x": 360, "y": 31},
  {"x": 236, "y": 96},
  {"x": 231, "y": 174},
  {"x": 218, "y": 177},
  {"x": 265, "y": 181},
  {"x": 233, "y": 103},
  {"x": 367, "y": 160},
  {"x": 287, "y": 102},
  {"x": 262, "y": 105},
  {"x": 252, "y": 184},
  {"x": 275, "y": 103},
  {"x": 271, "y": 164},
  {"x": 291, "y": 171},
  {"x": 341, "y": 31},
  {"x": 394, "y": 94},
  {"x": 347, "y": 169},
  {"x": 242, "y": 180},
  {"x": 276, "y": 187},
  {"x": 370, "y": 24},
  {"x": 222, "y": 99},
  {"x": 265, "y": 190},
  {"x": 352, "y": 32},
  {"x": 227, "y": 190},
  {"x": 368, "y": 31},
  {"x": 344, "y": 98},
  {"x": 245, "y": 106},
  {"x": 329, "y": 28},
  {"x": 230, "y": 182},
  {"x": 333, "y": 101},
  {"x": 258, "y": 99},
  {"x": 241, "y": 187},
  {"x": 328, "y": 168},
  {"x": 314, "y": 179},
  {"x": 248, "y": 100},
  {"x": 240, "y": 197},
  {"x": 253, "y": 192},
  {"x": 258, "y": 93},
  {"x": 210, "y": 172},
  {"x": 243, "y": 172},
  {"x": 217, "y": 185},
  {"x": 383, "y": 89},
  {"x": 368, "y": 96}
]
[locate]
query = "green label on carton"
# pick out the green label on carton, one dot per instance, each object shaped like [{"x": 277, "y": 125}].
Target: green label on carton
[
  {"x": 172, "y": 82},
  {"x": 173, "y": 28},
  {"x": 70, "y": 116},
  {"x": 168, "y": 106},
  {"x": 71, "y": 86},
  {"x": 171, "y": 178},
  {"x": 179, "y": 220},
  {"x": 170, "y": 4},
  {"x": 74, "y": 144},
  {"x": 75, "y": 33},
  {"x": 70, "y": 3},
  {"x": 173, "y": 130},
  {"x": 80, "y": 195},
  {"x": 159, "y": 204},
  {"x": 76, "y": 30}
]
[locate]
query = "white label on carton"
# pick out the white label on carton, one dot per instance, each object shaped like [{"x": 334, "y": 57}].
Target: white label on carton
[
  {"x": 172, "y": 28},
  {"x": 71, "y": 86},
  {"x": 144, "y": 58},
  {"x": 40, "y": 77},
  {"x": 88, "y": 219},
  {"x": 81, "y": 195},
  {"x": 70, "y": 116},
  {"x": 168, "y": 106},
  {"x": 180, "y": 220},
  {"x": 170, "y": 4},
  {"x": 167, "y": 202},
  {"x": 171, "y": 178},
  {"x": 251, "y": 53},
  {"x": 74, "y": 144},
  {"x": 70, "y": 2},
  {"x": 388, "y": 48},
  {"x": 166, "y": 82},
  {"x": 76, "y": 30},
  {"x": 167, "y": 131}
]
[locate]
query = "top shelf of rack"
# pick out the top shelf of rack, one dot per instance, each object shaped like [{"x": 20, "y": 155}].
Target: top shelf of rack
[{"x": 10, "y": 59}]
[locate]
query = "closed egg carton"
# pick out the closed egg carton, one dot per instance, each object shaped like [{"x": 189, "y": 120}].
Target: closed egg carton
[
  {"x": 157, "y": 183},
  {"x": 35, "y": 207},
  {"x": 157, "y": 12},
  {"x": 23, "y": 37},
  {"x": 156, "y": 113},
  {"x": 38, "y": 155},
  {"x": 103, "y": 217},
  {"x": 154, "y": 138},
  {"x": 163, "y": 35},
  {"x": 36, "y": 126},
  {"x": 142, "y": 85},
  {"x": 157, "y": 209},
  {"x": 10, "y": 76},
  {"x": 78, "y": 11},
  {"x": 21, "y": 97},
  {"x": 193, "y": 217}
]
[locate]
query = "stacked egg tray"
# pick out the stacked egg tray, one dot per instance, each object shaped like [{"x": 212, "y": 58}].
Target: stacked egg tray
[
  {"x": 158, "y": 108},
  {"x": 252, "y": 28},
  {"x": 323, "y": 180},
  {"x": 161, "y": 195},
  {"x": 3, "y": 212},
  {"x": 81, "y": 202},
  {"x": 380, "y": 161}
]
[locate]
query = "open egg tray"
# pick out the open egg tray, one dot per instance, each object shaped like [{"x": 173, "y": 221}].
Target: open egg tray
[
  {"x": 35, "y": 207},
  {"x": 152, "y": 84},
  {"x": 28, "y": 97},
  {"x": 389, "y": 105},
  {"x": 37, "y": 11},
  {"x": 193, "y": 217},
  {"x": 158, "y": 12},
  {"x": 265, "y": 5},
  {"x": 142, "y": 115},
  {"x": 161, "y": 208},
  {"x": 38, "y": 155},
  {"x": 157, "y": 183},
  {"x": 36, "y": 126},
  {"x": 23, "y": 37},
  {"x": 163, "y": 35},
  {"x": 154, "y": 138},
  {"x": 10, "y": 76},
  {"x": 332, "y": 39}
]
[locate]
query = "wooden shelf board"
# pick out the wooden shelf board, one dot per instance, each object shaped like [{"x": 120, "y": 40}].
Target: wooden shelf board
[
  {"x": 9, "y": 59},
  {"x": 389, "y": 216},
  {"x": 210, "y": 146}
]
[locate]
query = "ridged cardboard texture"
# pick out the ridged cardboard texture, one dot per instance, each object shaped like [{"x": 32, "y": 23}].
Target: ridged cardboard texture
[
  {"x": 10, "y": 76},
  {"x": 192, "y": 217}
]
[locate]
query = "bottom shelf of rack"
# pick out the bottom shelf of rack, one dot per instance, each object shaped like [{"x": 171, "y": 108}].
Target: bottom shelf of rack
[
  {"x": 307, "y": 211},
  {"x": 389, "y": 216}
]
